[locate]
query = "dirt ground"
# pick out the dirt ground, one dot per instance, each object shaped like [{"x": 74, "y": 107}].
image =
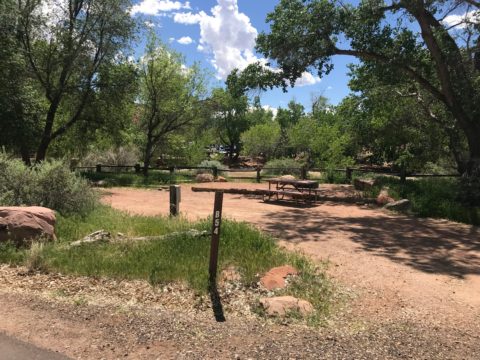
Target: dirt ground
[{"x": 414, "y": 286}]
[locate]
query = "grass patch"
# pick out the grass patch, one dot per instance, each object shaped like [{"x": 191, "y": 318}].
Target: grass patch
[
  {"x": 436, "y": 198},
  {"x": 181, "y": 259}
]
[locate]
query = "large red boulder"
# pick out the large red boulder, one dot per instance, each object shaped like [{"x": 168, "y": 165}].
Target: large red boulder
[{"x": 24, "y": 224}]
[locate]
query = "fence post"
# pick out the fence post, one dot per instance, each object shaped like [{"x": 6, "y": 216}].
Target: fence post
[
  {"x": 215, "y": 172},
  {"x": 258, "y": 174},
  {"x": 174, "y": 200},
  {"x": 172, "y": 172},
  {"x": 137, "y": 168},
  {"x": 304, "y": 173},
  {"x": 99, "y": 168},
  {"x": 348, "y": 173},
  {"x": 403, "y": 174},
  {"x": 73, "y": 164}
]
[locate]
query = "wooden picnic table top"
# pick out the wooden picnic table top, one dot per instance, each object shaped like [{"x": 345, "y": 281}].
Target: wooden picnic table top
[{"x": 295, "y": 182}]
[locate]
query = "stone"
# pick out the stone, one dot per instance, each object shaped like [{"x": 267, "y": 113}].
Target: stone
[
  {"x": 230, "y": 274},
  {"x": 275, "y": 278},
  {"x": 363, "y": 184},
  {"x": 384, "y": 198},
  {"x": 220, "y": 179},
  {"x": 23, "y": 224},
  {"x": 282, "y": 305},
  {"x": 204, "y": 178},
  {"x": 400, "y": 205}
]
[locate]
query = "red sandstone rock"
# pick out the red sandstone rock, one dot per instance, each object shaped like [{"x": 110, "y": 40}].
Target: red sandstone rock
[
  {"x": 282, "y": 305},
  {"x": 275, "y": 278}
]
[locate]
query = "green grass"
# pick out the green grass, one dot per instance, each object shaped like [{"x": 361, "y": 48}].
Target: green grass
[
  {"x": 433, "y": 197},
  {"x": 180, "y": 259}
]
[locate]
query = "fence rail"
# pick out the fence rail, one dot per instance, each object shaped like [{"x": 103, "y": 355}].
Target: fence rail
[{"x": 302, "y": 171}]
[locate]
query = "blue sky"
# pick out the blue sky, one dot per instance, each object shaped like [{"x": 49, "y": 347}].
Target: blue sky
[{"x": 220, "y": 35}]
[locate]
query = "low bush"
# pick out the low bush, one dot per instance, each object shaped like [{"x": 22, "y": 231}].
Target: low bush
[
  {"x": 122, "y": 155},
  {"x": 50, "y": 184},
  {"x": 439, "y": 198},
  {"x": 283, "y": 166},
  {"x": 208, "y": 165}
]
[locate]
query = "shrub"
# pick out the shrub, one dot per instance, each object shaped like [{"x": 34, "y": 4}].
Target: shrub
[
  {"x": 50, "y": 184},
  {"x": 283, "y": 166},
  {"x": 208, "y": 164},
  {"x": 123, "y": 155}
]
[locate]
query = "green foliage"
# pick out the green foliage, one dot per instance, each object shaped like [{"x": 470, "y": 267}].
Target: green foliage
[
  {"x": 50, "y": 184},
  {"x": 283, "y": 166},
  {"x": 170, "y": 95},
  {"x": 208, "y": 164},
  {"x": 123, "y": 155},
  {"x": 154, "y": 178},
  {"x": 262, "y": 139},
  {"x": 439, "y": 198},
  {"x": 325, "y": 144}
]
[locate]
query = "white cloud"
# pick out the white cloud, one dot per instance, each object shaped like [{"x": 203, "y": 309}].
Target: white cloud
[
  {"x": 307, "y": 79},
  {"x": 274, "y": 110},
  {"x": 185, "y": 40},
  {"x": 229, "y": 37},
  {"x": 149, "y": 24},
  {"x": 462, "y": 20},
  {"x": 171, "y": 40},
  {"x": 188, "y": 18},
  {"x": 155, "y": 7}
]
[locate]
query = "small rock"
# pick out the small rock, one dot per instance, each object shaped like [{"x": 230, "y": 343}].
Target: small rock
[
  {"x": 384, "y": 198},
  {"x": 220, "y": 179},
  {"x": 400, "y": 205},
  {"x": 282, "y": 305},
  {"x": 204, "y": 178},
  {"x": 275, "y": 278},
  {"x": 230, "y": 274},
  {"x": 363, "y": 184},
  {"x": 287, "y": 177}
]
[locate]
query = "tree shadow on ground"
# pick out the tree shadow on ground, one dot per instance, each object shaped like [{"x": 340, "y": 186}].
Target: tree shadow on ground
[{"x": 428, "y": 245}]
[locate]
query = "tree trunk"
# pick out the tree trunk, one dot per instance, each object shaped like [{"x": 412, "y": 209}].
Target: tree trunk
[
  {"x": 473, "y": 165},
  {"x": 25, "y": 152},
  {"x": 148, "y": 155}
]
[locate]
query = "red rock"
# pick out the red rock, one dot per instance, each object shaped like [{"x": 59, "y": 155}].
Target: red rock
[
  {"x": 282, "y": 305},
  {"x": 384, "y": 198},
  {"x": 363, "y": 184},
  {"x": 220, "y": 179},
  {"x": 22, "y": 224},
  {"x": 275, "y": 278}
]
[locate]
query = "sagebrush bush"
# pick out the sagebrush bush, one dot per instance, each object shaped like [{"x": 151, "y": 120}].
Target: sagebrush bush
[
  {"x": 50, "y": 184},
  {"x": 123, "y": 155},
  {"x": 283, "y": 166},
  {"x": 209, "y": 164}
]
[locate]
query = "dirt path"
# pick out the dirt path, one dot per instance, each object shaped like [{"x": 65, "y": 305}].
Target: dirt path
[{"x": 400, "y": 267}]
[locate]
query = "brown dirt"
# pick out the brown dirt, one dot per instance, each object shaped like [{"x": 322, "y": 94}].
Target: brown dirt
[
  {"x": 399, "y": 266},
  {"x": 414, "y": 285}
]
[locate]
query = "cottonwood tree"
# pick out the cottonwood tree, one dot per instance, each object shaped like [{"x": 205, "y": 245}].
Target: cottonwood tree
[
  {"x": 229, "y": 109},
  {"x": 396, "y": 39},
  {"x": 66, "y": 43},
  {"x": 171, "y": 96}
]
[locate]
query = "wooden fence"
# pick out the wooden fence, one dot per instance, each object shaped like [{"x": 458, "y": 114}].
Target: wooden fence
[{"x": 256, "y": 172}]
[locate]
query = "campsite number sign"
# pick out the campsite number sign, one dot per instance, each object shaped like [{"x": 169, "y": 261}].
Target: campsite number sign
[{"x": 217, "y": 221}]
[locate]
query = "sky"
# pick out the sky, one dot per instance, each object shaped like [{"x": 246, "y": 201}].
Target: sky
[{"x": 220, "y": 34}]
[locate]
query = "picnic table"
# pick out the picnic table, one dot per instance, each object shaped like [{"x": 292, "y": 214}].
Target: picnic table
[{"x": 296, "y": 189}]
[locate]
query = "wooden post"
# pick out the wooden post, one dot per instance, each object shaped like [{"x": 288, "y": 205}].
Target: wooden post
[
  {"x": 172, "y": 173},
  {"x": 304, "y": 173},
  {"x": 217, "y": 221},
  {"x": 137, "y": 168},
  {"x": 174, "y": 200},
  {"x": 259, "y": 178},
  {"x": 99, "y": 168},
  {"x": 73, "y": 164},
  {"x": 215, "y": 172},
  {"x": 348, "y": 174}
]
